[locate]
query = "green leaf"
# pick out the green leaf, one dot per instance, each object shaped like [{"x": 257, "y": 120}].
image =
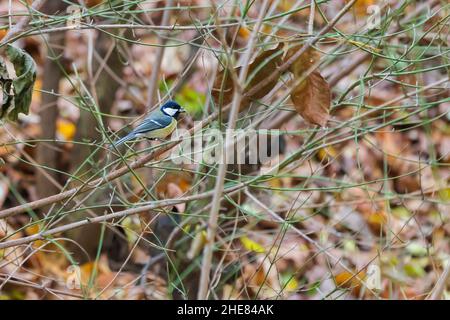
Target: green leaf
[
  {"x": 414, "y": 270},
  {"x": 18, "y": 99},
  {"x": 6, "y": 84},
  {"x": 416, "y": 249},
  {"x": 191, "y": 100}
]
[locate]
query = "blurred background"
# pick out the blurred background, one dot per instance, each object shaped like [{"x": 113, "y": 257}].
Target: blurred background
[{"x": 359, "y": 209}]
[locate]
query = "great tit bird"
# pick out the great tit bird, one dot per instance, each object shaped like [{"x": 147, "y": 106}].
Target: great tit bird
[{"x": 157, "y": 125}]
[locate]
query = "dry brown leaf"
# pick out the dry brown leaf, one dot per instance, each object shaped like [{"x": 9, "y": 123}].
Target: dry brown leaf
[
  {"x": 312, "y": 99},
  {"x": 222, "y": 91},
  {"x": 397, "y": 148},
  {"x": 92, "y": 3},
  {"x": 262, "y": 67},
  {"x": 304, "y": 62}
]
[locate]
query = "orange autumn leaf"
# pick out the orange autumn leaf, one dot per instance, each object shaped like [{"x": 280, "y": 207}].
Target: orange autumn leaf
[
  {"x": 244, "y": 32},
  {"x": 65, "y": 129},
  {"x": 3, "y": 33},
  {"x": 103, "y": 274},
  {"x": 36, "y": 96},
  {"x": 181, "y": 179},
  {"x": 360, "y": 7},
  {"x": 350, "y": 280},
  {"x": 32, "y": 230}
]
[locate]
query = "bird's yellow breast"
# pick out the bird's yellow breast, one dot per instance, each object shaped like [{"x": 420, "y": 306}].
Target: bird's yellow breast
[{"x": 163, "y": 132}]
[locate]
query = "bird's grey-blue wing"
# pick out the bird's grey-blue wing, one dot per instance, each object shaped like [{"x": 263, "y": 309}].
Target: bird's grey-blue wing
[{"x": 153, "y": 122}]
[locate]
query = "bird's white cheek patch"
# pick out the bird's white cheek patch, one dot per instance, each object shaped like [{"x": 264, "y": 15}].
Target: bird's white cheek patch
[{"x": 170, "y": 111}]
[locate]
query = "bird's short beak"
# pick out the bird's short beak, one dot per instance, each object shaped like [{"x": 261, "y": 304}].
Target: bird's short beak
[{"x": 182, "y": 110}]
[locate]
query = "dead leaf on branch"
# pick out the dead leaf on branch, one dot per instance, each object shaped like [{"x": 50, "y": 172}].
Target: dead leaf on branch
[
  {"x": 17, "y": 90},
  {"x": 260, "y": 68},
  {"x": 312, "y": 99},
  {"x": 302, "y": 63}
]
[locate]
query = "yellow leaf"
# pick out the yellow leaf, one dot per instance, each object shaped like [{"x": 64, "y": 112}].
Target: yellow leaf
[
  {"x": 444, "y": 194},
  {"x": 377, "y": 220},
  {"x": 285, "y": 5},
  {"x": 327, "y": 153},
  {"x": 197, "y": 245},
  {"x": 65, "y": 129},
  {"x": 275, "y": 183},
  {"x": 252, "y": 245},
  {"x": 36, "y": 97},
  {"x": 292, "y": 284},
  {"x": 132, "y": 228}
]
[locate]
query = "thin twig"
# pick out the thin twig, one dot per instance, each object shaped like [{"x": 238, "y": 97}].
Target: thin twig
[
  {"x": 115, "y": 215},
  {"x": 19, "y": 26},
  {"x": 312, "y": 13},
  {"x": 439, "y": 288},
  {"x": 156, "y": 67}
]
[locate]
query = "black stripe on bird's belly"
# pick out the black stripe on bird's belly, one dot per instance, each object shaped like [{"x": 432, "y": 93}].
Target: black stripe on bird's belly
[{"x": 163, "y": 132}]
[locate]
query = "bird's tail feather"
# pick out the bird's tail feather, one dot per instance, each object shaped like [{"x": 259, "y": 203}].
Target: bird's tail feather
[{"x": 128, "y": 137}]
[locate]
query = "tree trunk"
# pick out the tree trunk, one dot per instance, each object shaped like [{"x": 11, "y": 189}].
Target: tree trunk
[{"x": 47, "y": 154}]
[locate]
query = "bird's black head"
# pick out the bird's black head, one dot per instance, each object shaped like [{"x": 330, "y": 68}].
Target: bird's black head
[{"x": 171, "y": 108}]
